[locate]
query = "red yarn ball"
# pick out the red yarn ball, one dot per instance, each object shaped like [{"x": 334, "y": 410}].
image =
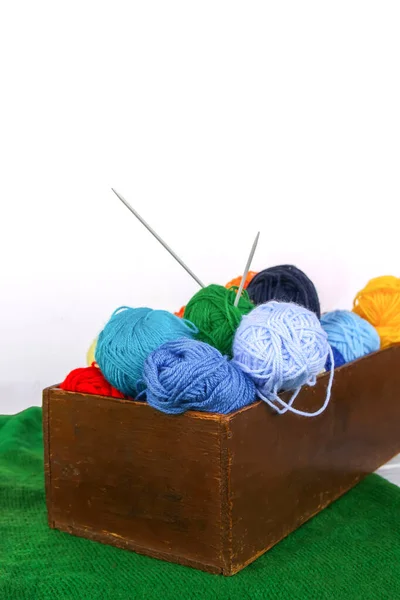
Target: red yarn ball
[{"x": 89, "y": 380}]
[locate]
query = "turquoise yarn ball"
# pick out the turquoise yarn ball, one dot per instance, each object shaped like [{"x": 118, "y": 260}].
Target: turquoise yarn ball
[
  {"x": 129, "y": 337},
  {"x": 352, "y": 335}
]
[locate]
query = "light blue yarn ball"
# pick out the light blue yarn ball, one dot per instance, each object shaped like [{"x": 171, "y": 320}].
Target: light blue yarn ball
[
  {"x": 190, "y": 375},
  {"x": 352, "y": 335},
  {"x": 282, "y": 346},
  {"x": 129, "y": 337}
]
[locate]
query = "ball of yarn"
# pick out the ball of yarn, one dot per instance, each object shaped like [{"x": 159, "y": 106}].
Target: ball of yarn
[
  {"x": 338, "y": 359},
  {"x": 212, "y": 310},
  {"x": 180, "y": 312},
  {"x": 191, "y": 375},
  {"x": 89, "y": 380},
  {"x": 350, "y": 334},
  {"x": 379, "y": 304},
  {"x": 233, "y": 283},
  {"x": 129, "y": 337},
  {"x": 236, "y": 281},
  {"x": 91, "y": 352},
  {"x": 281, "y": 346},
  {"x": 284, "y": 283}
]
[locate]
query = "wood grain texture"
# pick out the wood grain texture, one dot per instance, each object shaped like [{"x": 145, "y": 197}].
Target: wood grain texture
[
  {"x": 214, "y": 491},
  {"x": 47, "y": 456},
  {"x": 122, "y": 472},
  {"x": 285, "y": 469}
]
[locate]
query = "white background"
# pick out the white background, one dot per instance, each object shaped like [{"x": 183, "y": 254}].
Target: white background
[{"x": 214, "y": 119}]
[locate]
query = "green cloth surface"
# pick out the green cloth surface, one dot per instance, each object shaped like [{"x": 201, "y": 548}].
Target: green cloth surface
[{"x": 350, "y": 550}]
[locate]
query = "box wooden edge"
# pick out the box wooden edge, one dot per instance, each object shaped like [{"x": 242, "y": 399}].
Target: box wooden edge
[
  {"x": 322, "y": 376},
  {"x": 226, "y": 505},
  {"x": 106, "y": 537},
  {"x": 239, "y": 566},
  {"x": 56, "y": 391},
  {"x": 47, "y": 454}
]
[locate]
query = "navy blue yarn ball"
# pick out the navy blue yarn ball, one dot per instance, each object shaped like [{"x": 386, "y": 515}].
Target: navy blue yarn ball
[
  {"x": 284, "y": 283},
  {"x": 338, "y": 359}
]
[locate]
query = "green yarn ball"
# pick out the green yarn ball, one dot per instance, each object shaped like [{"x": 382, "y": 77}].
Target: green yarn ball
[{"x": 213, "y": 313}]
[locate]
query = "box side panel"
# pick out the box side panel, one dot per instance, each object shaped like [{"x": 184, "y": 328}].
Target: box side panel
[
  {"x": 285, "y": 468},
  {"x": 126, "y": 474}
]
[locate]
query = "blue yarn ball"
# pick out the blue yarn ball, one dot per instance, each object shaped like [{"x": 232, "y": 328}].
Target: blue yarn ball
[
  {"x": 349, "y": 333},
  {"x": 187, "y": 374},
  {"x": 129, "y": 337},
  {"x": 282, "y": 346},
  {"x": 338, "y": 359}
]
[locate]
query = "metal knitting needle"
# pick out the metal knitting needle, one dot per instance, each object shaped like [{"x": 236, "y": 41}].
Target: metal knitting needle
[
  {"x": 176, "y": 257},
  {"x": 246, "y": 270}
]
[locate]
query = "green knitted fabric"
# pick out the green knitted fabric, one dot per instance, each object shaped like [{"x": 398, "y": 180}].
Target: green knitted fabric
[{"x": 350, "y": 551}]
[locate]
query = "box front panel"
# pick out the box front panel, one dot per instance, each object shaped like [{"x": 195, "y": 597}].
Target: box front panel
[{"x": 121, "y": 471}]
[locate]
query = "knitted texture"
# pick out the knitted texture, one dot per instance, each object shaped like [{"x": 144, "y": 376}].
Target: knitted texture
[{"x": 350, "y": 551}]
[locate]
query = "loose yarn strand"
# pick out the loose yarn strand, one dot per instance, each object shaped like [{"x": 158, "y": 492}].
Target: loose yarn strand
[
  {"x": 287, "y": 406},
  {"x": 282, "y": 347}
]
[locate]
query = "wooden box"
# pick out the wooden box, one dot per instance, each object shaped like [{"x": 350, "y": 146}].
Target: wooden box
[{"x": 213, "y": 491}]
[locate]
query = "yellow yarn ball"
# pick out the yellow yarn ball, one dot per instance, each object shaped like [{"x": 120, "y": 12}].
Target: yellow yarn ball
[
  {"x": 90, "y": 359},
  {"x": 379, "y": 304}
]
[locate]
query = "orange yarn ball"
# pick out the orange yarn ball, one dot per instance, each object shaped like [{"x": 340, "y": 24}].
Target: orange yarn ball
[
  {"x": 237, "y": 280},
  {"x": 180, "y": 312},
  {"x": 379, "y": 304}
]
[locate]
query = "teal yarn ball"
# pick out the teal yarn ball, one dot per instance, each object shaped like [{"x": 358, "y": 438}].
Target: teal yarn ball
[
  {"x": 349, "y": 333},
  {"x": 129, "y": 337}
]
